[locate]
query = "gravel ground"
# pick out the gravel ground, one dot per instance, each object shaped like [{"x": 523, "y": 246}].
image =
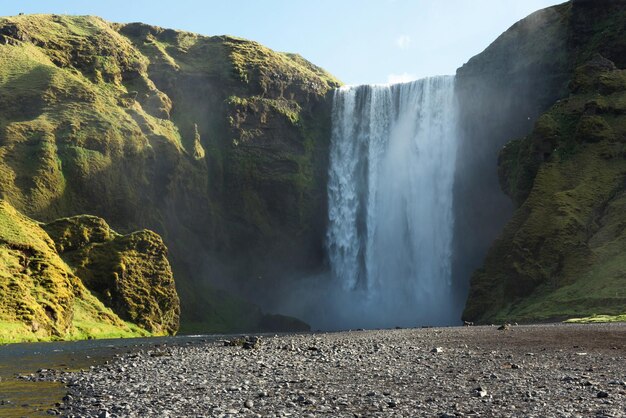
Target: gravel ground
[{"x": 525, "y": 371}]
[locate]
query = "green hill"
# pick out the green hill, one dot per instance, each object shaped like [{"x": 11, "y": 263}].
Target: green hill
[{"x": 216, "y": 143}]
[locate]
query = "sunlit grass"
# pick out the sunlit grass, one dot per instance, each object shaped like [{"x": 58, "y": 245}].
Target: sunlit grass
[{"x": 598, "y": 319}]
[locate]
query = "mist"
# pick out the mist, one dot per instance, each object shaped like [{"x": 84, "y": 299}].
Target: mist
[{"x": 323, "y": 303}]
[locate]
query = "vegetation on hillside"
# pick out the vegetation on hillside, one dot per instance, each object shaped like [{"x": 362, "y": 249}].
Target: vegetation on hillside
[
  {"x": 216, "y": 143},
  {"x": 43, "y": 298},
  {"x": 128, "y": 273},
  {"x": 562, "y": 254}
]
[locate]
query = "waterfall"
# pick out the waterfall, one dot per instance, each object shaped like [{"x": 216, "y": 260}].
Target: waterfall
[{"x": 389, "y": 238}]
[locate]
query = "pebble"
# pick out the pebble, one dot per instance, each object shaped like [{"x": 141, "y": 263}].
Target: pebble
[
  {"x": 480, "y": 392},
  {"x": 369, "y": 373}
]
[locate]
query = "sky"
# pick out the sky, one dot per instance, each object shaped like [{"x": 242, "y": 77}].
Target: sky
[{"x": 358, "y": 41}]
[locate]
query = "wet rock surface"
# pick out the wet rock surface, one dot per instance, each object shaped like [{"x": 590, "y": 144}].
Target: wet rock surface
[{"x": 530, "y": 371}]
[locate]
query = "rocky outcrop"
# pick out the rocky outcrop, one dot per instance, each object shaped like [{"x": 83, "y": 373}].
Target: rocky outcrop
[
  {"x": 43, "y": 297},
  {"x": 216, "y": 143},
  {"x": 129, "y": 273},
  {"x": 559, "y": 254}
]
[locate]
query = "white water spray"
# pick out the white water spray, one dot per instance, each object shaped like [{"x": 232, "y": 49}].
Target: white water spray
[{"x": 392, "y": 158}]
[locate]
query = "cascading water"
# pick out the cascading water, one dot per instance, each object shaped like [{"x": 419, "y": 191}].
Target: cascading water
[{"x": 392, "y": 158}]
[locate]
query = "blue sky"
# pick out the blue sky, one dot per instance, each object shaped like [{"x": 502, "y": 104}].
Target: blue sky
[{"x": 359, "y": 41}]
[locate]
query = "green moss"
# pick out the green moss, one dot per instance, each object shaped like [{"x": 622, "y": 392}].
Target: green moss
[
  {"x": 78, "y": 231},
  {"x": 136, "y": 123},
  {"x": 129, "y": 273},
  {"x": 254, "y": 63},
  {"x": 598, "y": 29},
  {"x": 198, "y": 149},
  {"x": 517, "y": 170},
  {"x": 594, "y": 128},
  {"x": 89, "y": 322},
  {"x": 562, "y": 254},
  {"x": 614, "y": 81},
  {"x": 41, "y": 299}
]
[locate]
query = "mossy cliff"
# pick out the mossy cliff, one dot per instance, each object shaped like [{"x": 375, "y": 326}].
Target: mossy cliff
[
  {"x": 45, "y": 297},
  {"x": 561, "y": 255},
  {"x": 501, "y": 93},
  {"x": 216, "y": 143},
  {"x": 129, "y": 273}
]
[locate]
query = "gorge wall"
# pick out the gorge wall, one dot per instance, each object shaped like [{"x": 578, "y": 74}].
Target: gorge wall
[
  {"x": 217, "y": 143},
  {"x": 559, "y": 255},
  {"x": 501, "y": 93}
]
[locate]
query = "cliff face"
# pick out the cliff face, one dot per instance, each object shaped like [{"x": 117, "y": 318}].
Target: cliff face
[
  {"x": 216, "y": 143},
  {"x": 501, "y": 93},
  {"x": 44, "y": 296},
  {"x": 560, "y": 254}
]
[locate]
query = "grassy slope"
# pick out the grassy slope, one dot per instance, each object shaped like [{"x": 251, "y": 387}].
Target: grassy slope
[
  {"x": 216, "y": 143},
  {"x": 41, "y": 298}
]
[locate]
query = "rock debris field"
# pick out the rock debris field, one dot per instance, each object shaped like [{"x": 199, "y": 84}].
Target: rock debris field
[{"x": 523, "y": 371}]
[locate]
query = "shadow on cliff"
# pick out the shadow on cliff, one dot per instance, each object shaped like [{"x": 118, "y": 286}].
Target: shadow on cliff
[{"x": 501, "y": 92}]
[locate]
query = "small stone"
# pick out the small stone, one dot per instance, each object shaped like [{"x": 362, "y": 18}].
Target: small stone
[
  {"x": 248, "y": 404},
  {"x": 437, "y": 350},
  {"x": 252, "y": 342},
  {"x": 480, "y": 392},
  {"x": 602, "y": 394}
]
